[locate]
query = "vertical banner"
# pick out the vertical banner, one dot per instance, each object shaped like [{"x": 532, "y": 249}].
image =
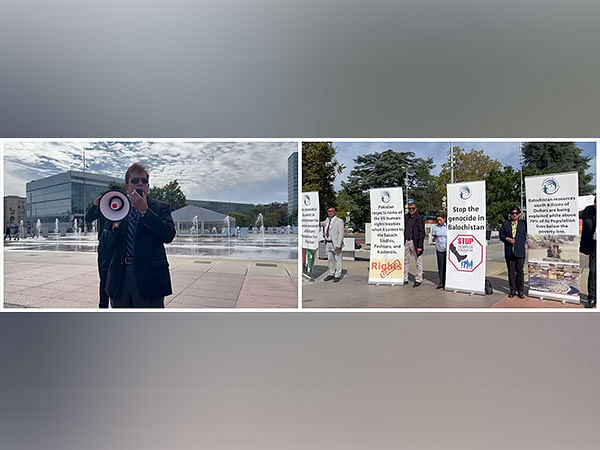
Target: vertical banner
[
  {"x": 386, "y": 265},
  {"x": 553, "y": 236},
  {"x": 466, "y": 252},
  {"x": 310, "y": 231}
]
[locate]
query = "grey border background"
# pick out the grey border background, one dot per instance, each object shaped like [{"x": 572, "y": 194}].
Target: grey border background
[{"x": 291, "y": 69}]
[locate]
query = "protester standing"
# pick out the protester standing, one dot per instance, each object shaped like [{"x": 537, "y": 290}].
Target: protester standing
[
  {"x": 587, "y": 246},
  {"x": 414, "y": 237},
  {"x": 440, "y": 237},
  {"x": 513, "y": 233}
]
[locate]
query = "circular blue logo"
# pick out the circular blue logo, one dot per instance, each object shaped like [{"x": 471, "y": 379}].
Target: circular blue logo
[
  {"x": 464, "y": 192},
  {"x": 385, "y": 197},
  {"x": 550, "y": 186},
  {"x": 306, "y": 200}
]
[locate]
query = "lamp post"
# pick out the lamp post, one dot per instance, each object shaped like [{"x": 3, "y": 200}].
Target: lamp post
[{"x": 84, "y": 204}]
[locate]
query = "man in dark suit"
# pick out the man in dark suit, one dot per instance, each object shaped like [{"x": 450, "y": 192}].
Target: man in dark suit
[
  {"x": 414, "y": 237},
  {"x": 513, "y": 233},
  {"x": 138, "y": 275},
  {"x": 587, "y": 246},
  {"x": 103, "y": 254}
]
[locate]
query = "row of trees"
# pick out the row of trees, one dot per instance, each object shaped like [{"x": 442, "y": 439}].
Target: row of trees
[
  {"x": 391, "y": 168},
  {"x": 274, "y": 215}
]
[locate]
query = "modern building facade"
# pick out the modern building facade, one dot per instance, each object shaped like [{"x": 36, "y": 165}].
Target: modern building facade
[
  {"x": 293, "y": 184},
  {"x": 65, "y": 196},
  {"x": 14, "y": 209}
]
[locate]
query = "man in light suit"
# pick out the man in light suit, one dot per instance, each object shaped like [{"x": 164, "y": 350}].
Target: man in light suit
[{"x": 333, "y": 232}]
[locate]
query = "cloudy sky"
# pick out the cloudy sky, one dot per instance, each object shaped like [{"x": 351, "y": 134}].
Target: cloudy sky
[
  {"x": 249, "y": 172},
  {"x": 505, "y": 152}
]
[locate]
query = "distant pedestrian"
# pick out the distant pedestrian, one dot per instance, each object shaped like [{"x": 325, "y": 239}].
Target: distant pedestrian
[
  {"x": 440, "y": 237},
  {"x": 414, "y": 238},
  {"x": 587, "y": 246},
  {"x": 333, "y": 233},
  {"x": 513, "y": 233}
]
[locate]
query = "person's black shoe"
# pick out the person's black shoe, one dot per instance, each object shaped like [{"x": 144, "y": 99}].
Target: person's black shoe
[
  {"x": 520, "y": 295},
  {"x": 439, "y": 286},
  {"x": 329, "y": 277},
  {"x": 336, "y": 280},
  {"x": 417, "y": 284},
  {"x": 591, "y": 303},
  {"x": 511, "y": 294}
]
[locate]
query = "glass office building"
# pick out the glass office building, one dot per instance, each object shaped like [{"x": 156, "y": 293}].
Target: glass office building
[{"x": 65, "y": 197}]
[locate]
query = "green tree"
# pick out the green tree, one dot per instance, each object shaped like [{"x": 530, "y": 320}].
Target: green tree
[
  {"x": 473, "y": 165},
  {"x": 540, "y": 158},
  {"x": 170, "y": 193},
  {"x": 319, "y": 169},
  {"x": 389, "y": 169},
  {"x": 242, "y": 219},
  {"x": 503, "y": 189}
]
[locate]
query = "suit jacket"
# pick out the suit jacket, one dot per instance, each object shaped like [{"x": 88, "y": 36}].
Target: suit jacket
[
  {"x": 154, "y": 229},
  {"x": 518, "y": 249},
  {"x": 587, "y": 245},
  {"x": 418, "y": 231},
  {"x": 336, "y": 231}
]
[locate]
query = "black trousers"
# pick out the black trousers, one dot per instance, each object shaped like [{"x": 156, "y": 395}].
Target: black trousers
[
  {"x": 592, "y": 277},
  {"x": 441, "y": 263},
  {"x": 129, "y": 296},
  {"x": 516, "y": 278},
  {"x": 103, "y": 295}
]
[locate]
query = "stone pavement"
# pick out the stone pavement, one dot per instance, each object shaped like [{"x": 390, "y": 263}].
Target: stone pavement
[
  {"x": 353, "y": 291},
  {"x": 70, "y": 280}
]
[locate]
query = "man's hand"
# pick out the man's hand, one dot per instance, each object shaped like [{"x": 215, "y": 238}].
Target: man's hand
[
  {"x": 510, "y": 240},
  {"x": 138, "y": 201},
  {"x": 337, "y": 249},
  {"x": 97, "y": 200},
  {"x": 116, "y": 225}
]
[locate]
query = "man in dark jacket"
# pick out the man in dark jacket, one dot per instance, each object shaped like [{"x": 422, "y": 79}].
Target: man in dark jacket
[
  {"x": 138, "y": 275},
  {"x": 513, "y": 233},
  {"x": 414, "y": 236},
  {"x": 587, "y": 246}
]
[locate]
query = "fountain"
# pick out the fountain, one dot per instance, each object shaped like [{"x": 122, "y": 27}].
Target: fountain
[
  {"x": 94, "y": 227},
  {"x": 56, "y": 225},
  {"x": 38, "y": 228},
  {"x": 195, "y": 227},
  {"x": 261, "y": 224},
  {"x": 75, "y": 229},
  {"x": 228, "y": 222},
  {"x": 21, "y": 231}
]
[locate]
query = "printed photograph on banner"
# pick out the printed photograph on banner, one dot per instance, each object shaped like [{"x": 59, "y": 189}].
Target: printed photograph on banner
[
  {"x": 446, "y": 224},
  {"x": 164, "y": 224}
]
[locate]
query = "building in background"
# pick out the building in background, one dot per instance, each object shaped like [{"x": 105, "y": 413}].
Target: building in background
[
  {"x": 293, "y": 184},
  {"x": 190, "y": 219},
  {"x": 222, "y": 207},
  {"x": 61, "y": 197},
  {"x": 14, "y": 209}
]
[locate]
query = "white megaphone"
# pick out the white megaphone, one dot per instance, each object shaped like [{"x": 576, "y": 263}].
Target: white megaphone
[{"x": 114, "y": 206}]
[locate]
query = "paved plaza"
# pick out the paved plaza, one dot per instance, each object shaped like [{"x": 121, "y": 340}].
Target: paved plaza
[
  {"x": 353, "y": 291},
  {"x": 39, "y": 279}
]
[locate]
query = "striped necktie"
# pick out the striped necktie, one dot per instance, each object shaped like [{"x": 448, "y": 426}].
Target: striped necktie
[{"x": 132, "y": 222}]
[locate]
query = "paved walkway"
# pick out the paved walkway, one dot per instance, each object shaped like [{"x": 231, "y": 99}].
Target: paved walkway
[
  {"x": 353, "y": 291},
  {"x": 70, "y": 280}
]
